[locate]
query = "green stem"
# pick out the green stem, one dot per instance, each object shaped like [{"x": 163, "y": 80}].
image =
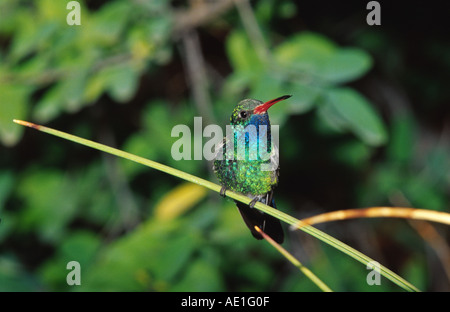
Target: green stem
[
  {"x": 244, "y": 199},
  {"x": 308, "y": 273}
]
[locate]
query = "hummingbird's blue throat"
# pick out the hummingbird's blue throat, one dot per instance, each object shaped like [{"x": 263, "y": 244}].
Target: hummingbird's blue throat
[{"x": 253, "y": 142}]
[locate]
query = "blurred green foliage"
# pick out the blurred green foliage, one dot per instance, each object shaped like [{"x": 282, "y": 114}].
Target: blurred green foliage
[{"x": 120, "y": 78}]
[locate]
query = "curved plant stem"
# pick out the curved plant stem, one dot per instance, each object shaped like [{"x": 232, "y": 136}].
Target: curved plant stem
[
  {"x": 244, "y": 199},
  {"x": 377, "y": 212},
  {"x": 324, "y": 287}
]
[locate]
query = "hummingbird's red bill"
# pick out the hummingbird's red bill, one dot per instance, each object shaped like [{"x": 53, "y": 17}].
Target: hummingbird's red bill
[{"x": 261, "y": 109}]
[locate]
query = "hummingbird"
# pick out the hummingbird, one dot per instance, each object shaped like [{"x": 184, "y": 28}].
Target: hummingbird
[{"x": 251, "y": 175}]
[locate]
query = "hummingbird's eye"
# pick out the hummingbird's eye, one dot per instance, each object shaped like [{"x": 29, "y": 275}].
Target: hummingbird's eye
[{"x": 243, "y": 114}]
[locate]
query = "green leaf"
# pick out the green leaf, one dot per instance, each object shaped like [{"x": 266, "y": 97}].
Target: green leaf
[
  {"x": 72, "y": 88},
  {"x": 345, "y": 65},
  {"x": 48, "y": 205},
  {"x": 303, "y": 47},
  {"x": 266, "y": 87},
  {"x": 108, "y": 23},
  {"x": 329, "y": 120},
  {"x": 201, "y": 276},
  {"x": 354, "y": 153},
  {"x": 304, "y": 97},
  {"x": 438, "y": 164},
  {"x": 357, "y": 115},
  {"x": 13, "y": 105},
  {"x": 415, "y": 271},
  {"x": 50, "y": 106},
  {"x": 305, "y": 52},
  {"x": 241, "y": 54},
  {"x": 65, "y": 95},
  {"x": 315, "y": 58},
  {"x": 175, "y": 256},
  {"x": 80, "y": 246},
  {"x": 121, "y": 81},
  {"x": 14, "y": 277},
  {"x": 421, "y": 193},
  {"x": 401, "y": 144},
  {"x": 26, "y": 37},
  {"x": 234, "y": 86},
  {"x": 147, "y": 258}
]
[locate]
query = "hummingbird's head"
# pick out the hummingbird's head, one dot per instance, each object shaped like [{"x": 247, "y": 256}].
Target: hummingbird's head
[{"x": 250, "y": 110}]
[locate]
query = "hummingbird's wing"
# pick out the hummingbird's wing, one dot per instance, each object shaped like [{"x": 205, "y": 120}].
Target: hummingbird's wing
[
  {"x": 220, "y": 162},
  {"x": 222, "y": 152},
  {"x": 275, "y": 159}
]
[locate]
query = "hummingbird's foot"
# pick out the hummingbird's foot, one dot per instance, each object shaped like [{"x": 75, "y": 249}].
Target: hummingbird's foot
[
  {"x": 253, "y": 202},
  {"x": 223, "y": 191}
]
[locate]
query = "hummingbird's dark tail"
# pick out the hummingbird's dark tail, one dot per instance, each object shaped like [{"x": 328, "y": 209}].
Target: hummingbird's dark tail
[{"x": 270, "y": 225}]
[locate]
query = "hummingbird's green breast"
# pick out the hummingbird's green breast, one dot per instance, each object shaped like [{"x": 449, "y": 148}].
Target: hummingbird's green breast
[{"x": 246, "y": 176}]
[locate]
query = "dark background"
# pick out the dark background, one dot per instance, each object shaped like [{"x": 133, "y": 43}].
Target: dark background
[{"x": 60, "y": 201}]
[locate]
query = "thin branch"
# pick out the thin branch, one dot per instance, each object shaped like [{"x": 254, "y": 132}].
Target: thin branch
[
  {"x": 187, "y": 20},
  {"x": 377, "y": 212},
  {"x": 324, "y": 287},
  {"x": 355, "y": 254},
  {"x": 197, "y": 77},
  {"x": 428, "y": 232},
  {"x": 253, "y": 30}
]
